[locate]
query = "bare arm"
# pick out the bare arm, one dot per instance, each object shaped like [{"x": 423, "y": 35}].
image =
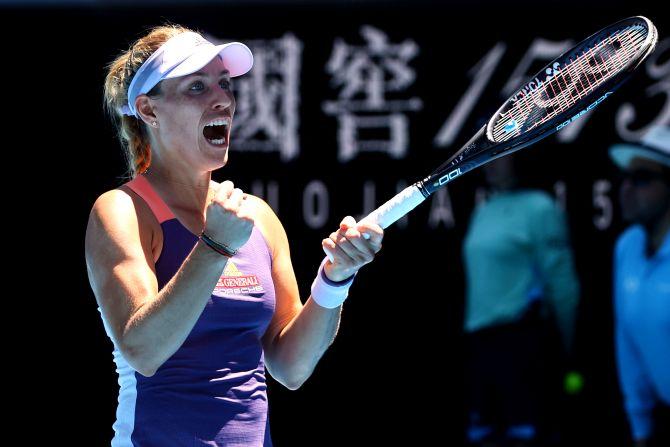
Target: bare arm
[
  {"x": 147, "y": 325},
  {"x": 298, "y": 335}
]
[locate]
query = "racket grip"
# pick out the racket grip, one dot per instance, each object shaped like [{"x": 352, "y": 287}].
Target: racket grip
[{"x": 401, "y": 204}]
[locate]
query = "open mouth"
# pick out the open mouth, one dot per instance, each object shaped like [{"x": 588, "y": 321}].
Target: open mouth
[{"x": 216, "y": 132}]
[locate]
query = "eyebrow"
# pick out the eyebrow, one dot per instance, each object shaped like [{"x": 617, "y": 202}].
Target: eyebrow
[{"x": 200, "y": 73}]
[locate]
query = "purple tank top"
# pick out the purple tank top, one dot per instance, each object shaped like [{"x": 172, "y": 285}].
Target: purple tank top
[{"x": 212, "y": 391}]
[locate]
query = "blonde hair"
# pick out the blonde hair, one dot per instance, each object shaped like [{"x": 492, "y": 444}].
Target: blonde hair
[{"x": 130, "y": 130}]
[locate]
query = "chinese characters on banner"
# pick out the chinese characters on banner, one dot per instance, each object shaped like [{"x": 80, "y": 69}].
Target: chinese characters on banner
[
  {"x": 267, "y": 117},
  {"x": 366, "y": 76}
]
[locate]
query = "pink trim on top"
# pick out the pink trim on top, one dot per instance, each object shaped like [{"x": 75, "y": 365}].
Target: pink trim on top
[{"x": 143, "y": 188}]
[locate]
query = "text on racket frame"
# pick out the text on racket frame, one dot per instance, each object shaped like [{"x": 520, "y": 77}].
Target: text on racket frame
[
  {"x": 447, "y": 177},
  {"x": 595, "y": 103}
]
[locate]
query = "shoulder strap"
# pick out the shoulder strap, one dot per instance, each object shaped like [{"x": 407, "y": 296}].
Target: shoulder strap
[{"x": 141, "y": 186}]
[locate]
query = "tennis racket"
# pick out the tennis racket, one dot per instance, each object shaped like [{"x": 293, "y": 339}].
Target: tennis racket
[{"x": 566, "y": 89}]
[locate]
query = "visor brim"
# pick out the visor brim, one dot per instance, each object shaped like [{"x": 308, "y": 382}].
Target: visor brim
[
  {"x": 623, "y": 154},
  {"x": 236, "y": 57}
]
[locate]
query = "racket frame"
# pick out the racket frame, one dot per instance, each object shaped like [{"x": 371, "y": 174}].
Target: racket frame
[{"x": 481, "y": 148}]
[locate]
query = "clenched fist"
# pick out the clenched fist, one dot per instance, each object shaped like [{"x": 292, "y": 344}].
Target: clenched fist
[{"x": 228, "y": 218}]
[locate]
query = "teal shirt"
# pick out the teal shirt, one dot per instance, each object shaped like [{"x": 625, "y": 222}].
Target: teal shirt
[{"x": 517, "y": 250}]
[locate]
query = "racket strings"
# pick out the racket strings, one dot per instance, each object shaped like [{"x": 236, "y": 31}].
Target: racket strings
[
  {"x": 565, "y": 87},
  {"x": 576, "y": 80}
]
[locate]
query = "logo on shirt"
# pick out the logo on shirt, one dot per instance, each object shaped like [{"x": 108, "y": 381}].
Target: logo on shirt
[{"x": 233, "y": 281}]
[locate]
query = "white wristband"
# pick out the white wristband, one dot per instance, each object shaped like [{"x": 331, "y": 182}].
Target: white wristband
[{"x": 327, "y": 293}]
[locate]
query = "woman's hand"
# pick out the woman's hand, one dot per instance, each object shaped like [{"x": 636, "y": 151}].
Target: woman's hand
[
  {"x": 351, "y": 247},
  {"x": 229, "y": 217}
]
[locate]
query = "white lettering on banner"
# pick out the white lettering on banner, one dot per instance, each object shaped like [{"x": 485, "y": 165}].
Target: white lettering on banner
[
  {"x": 315, "y": 204},
  {"x": 369, "y": 198},
  {"x": 441, "y": 211},
  {"x": 366, "y": 75},
  {"x": 270, "y": 193},
  {"x": 317, "y": 209},
  {"x": 480, "y": 74},
  {"x": 267, "y": 117},
  {"x": 603, "y": 204},
  {"x": 560, "y": 191},
  {"x": 626, "y": 116}
]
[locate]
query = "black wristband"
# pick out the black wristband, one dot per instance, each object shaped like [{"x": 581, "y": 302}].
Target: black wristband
[{"x": 218, "y": 247}]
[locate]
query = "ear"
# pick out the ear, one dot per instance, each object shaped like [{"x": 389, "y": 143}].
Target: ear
[{"x": 145, "y": 109}]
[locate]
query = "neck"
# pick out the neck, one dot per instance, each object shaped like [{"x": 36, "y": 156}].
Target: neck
[
  {"x": 183, "y": 188},
  {"x": 656, "y": 232}
]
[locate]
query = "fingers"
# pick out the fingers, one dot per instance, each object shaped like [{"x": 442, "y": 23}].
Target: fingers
[
  {"x": 346, "y": 251},
  {"x": 326, "y": 245},
  {"x": 237, "y": 203},
  {"x": 224, "y": 191},
  {"x": 233, "y": 201},
  {"x": 362, "y": 249},
  {"x": 350, "y": 238},
  {"x": 371, "y": 232},
  {"x": 374, "y": 232},
  {"x": 229, "y": 197},
  {"x": 348, "y": 222}
]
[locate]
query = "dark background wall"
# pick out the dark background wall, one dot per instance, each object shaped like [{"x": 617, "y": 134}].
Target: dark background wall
[{"x": 395, "y": 374}]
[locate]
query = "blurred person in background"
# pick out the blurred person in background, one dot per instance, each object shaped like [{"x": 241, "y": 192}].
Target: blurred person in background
[
  {"x": 642, "y": 286},
  {"x": 520, "y": 274}
]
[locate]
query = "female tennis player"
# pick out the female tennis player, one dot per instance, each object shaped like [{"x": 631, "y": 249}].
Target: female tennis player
[{"x": 193, "y": 278}]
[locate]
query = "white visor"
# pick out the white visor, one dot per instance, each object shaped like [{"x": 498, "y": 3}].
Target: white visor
[
  {"x": 654, "y": 146},
  {"x": 182, "y": 55}
]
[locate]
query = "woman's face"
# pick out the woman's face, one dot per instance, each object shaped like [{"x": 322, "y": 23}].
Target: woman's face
[{"x": 183, "y": 110}]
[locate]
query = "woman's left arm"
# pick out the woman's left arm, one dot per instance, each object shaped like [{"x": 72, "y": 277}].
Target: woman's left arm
[{"x": 298, "y": 334}]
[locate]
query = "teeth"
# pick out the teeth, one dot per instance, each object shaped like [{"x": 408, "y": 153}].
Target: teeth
[
  {"x": 219, "y": 122},
  {"x": 219, "y": 141}
]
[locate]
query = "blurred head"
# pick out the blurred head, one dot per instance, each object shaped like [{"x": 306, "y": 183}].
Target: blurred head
[
  {"x": 645, "y": 168},
  {"x": 645, "y": 191},
  {"x": 164, "y": 91}
]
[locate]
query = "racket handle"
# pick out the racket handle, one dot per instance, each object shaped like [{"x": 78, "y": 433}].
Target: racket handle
[{"x": 401, "y": 204}]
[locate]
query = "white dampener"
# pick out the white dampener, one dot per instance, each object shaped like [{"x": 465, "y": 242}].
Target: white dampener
[{"x": 327, "y": 293}]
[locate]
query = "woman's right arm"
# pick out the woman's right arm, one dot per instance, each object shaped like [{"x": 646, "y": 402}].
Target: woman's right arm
[{"x": 147, "y": 325}]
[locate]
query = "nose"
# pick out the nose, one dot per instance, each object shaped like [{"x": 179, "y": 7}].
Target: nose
[{"x": 223, "y": 99}]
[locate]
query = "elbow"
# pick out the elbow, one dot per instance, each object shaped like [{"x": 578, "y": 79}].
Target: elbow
[
  {"x": 146, "y": 372},
  {"x": 298, "y": 378},
  {"x": 142, "y": 366},
  {"x": 138, "y": 360},
  {"x": 292, "y": 380},
  {"x": 294, "y": 384}
]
